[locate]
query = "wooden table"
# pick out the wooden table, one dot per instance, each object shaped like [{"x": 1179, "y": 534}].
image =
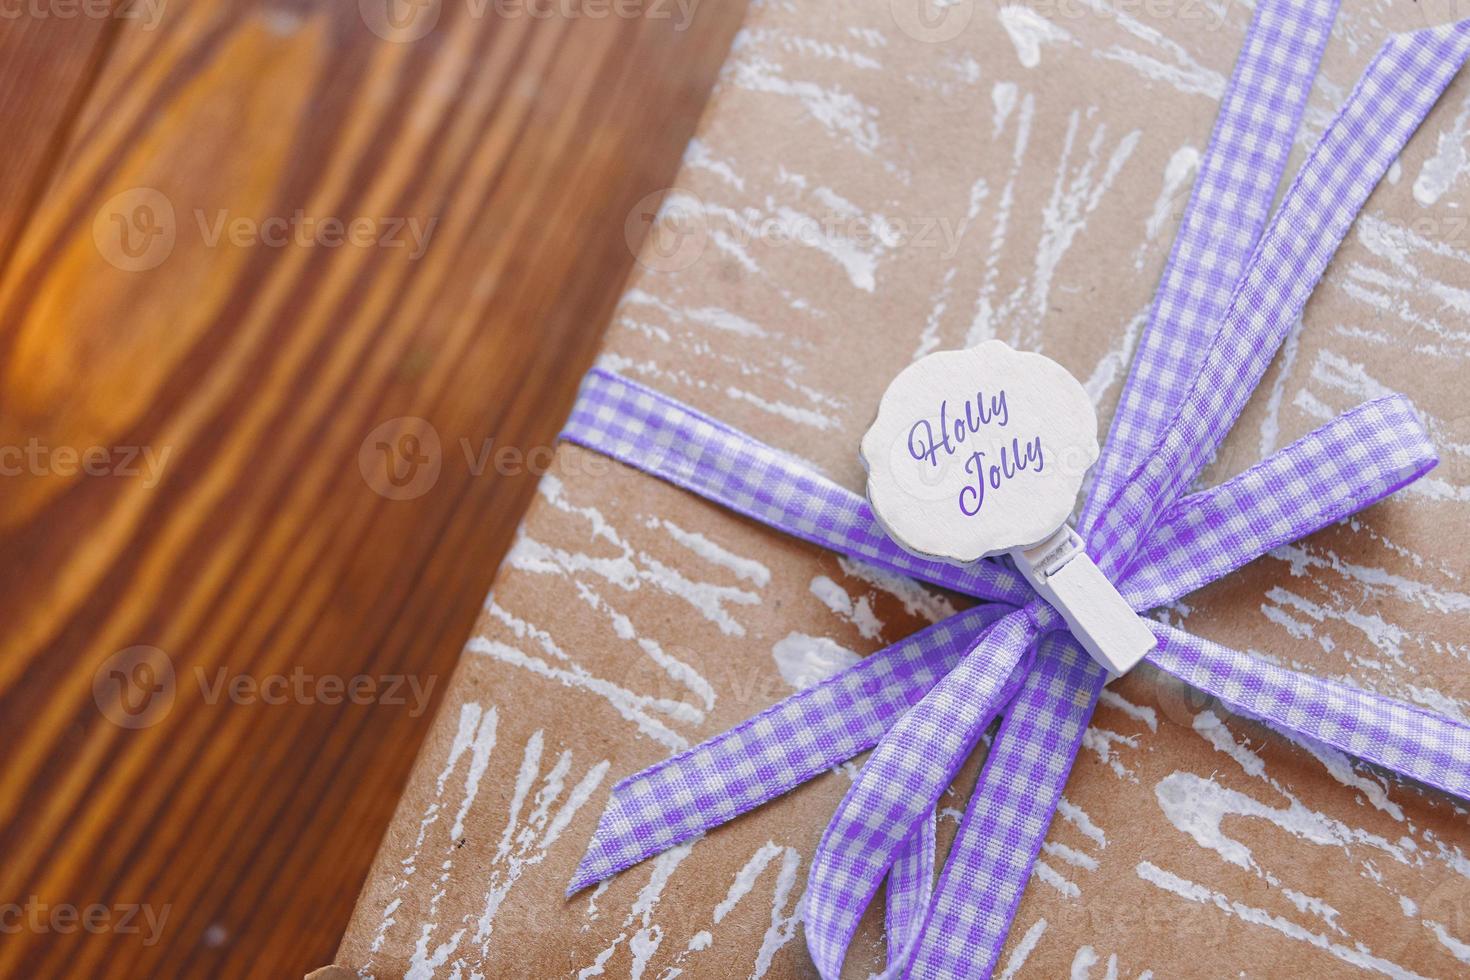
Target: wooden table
[{"x": 257, "y": 257}]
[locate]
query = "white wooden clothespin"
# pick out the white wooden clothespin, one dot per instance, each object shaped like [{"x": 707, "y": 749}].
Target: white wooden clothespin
[
  {"x": 982, "y": 451},
  {"x": 1064, "y": 575}
]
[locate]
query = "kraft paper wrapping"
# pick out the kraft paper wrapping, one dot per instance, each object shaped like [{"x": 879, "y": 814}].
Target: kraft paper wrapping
[{"x": 866, "y": 188}]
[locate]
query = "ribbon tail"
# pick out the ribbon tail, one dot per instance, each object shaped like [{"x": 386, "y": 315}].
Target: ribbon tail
[
  {"x": 901, "y": 783},
  {"x": 1230, "y": 203},
  {"x": 775, "y": 751},
  {"x": 1007, "y": 817},
  {"x": 1425, "y": 747},
  {"x": 663, "y": 437},
  {"x": 1363, "y": 456},
  {"x": 909, "y": 887}
]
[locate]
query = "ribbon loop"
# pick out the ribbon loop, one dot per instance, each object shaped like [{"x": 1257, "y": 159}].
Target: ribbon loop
[
  {"x": 798, "y": 738},
  {"x": 892, "y": 794}
]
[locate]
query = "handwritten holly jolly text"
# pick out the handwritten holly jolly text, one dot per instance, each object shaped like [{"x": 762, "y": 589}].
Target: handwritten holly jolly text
[{"x": 988, "y": 470}]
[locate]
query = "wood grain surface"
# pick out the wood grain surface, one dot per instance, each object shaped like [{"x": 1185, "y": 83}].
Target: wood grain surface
[{"x": 257, "y": 258}]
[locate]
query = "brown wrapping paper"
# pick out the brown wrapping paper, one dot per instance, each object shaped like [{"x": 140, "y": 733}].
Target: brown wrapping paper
[{"x": 866, "y": 187}]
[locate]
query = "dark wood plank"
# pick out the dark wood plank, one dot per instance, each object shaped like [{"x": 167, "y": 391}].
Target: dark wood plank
[
  {"x": 258, "y": 539},
  {"x": 48, "y": 63}
]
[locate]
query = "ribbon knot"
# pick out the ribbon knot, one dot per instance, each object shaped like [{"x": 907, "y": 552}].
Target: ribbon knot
[
  {"x": 1042, "y": 617},
  {"x": 924, "y": 703}
]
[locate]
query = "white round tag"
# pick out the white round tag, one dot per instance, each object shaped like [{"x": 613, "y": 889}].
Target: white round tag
[{"x": 975, "y": 452}]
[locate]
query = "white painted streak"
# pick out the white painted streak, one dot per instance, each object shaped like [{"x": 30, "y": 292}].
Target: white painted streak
[
  {"x": 483, "y": 745},
  {"x": 1112, "y": 365},
  {"x": 859, "y": 612},
  {"x": 1054, "y": 878},
  {"x": 644, "y": 942},
  {"x": 698, "y": 155},
  {"x": 807, "y": 660},
  {"x": 1271, "y": 424},
  {"x": 1340, "y": 767},
  {"x": 988, "y": 306},
  {"x": 1070, "y": 855},
  {"x": 680, "y": 670},
  {"x": 1160, "y": 58},
  {"x": 1459, "y": 950},
  {"x": 1003, "y": 99},
  {"x": 1074, "y": 197},
  {"x": 1179, "y": 175},
  {"x": 524, "y": 843},
  {"x": 1448, "y": 161},
  {"x": 1359, "y": 956},
  {"x": 530, "y": 555},
  {"x": 837, "y": 110},
  {"x": 1198, "y": 806},
  {"x": 634, "y": 707},
  {"x": 1137, "y": 712},
  {"x": 785, "y": 410},
  {"x": 1078, "y": 817},
  {"x": 1101, "y": 741},
  {"x": 1083, "y": 963},
  {"x": 917, "y": 599},
  {"x": 1028, "y": 31},
  {"x": 1024, "y": 949},
  {"x": 744, "y": 568},
  {"x": 782, "y": 926}
]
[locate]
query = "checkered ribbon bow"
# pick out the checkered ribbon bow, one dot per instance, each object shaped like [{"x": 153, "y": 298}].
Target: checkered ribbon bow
[{"x": 1232, "y": 290}]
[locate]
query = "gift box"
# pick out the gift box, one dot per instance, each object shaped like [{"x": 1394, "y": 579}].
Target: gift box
[{"x": 873, "y": 182}]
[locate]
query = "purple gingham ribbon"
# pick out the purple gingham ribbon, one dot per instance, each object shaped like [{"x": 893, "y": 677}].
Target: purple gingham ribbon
[{"x": 1228, "y": 297}]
